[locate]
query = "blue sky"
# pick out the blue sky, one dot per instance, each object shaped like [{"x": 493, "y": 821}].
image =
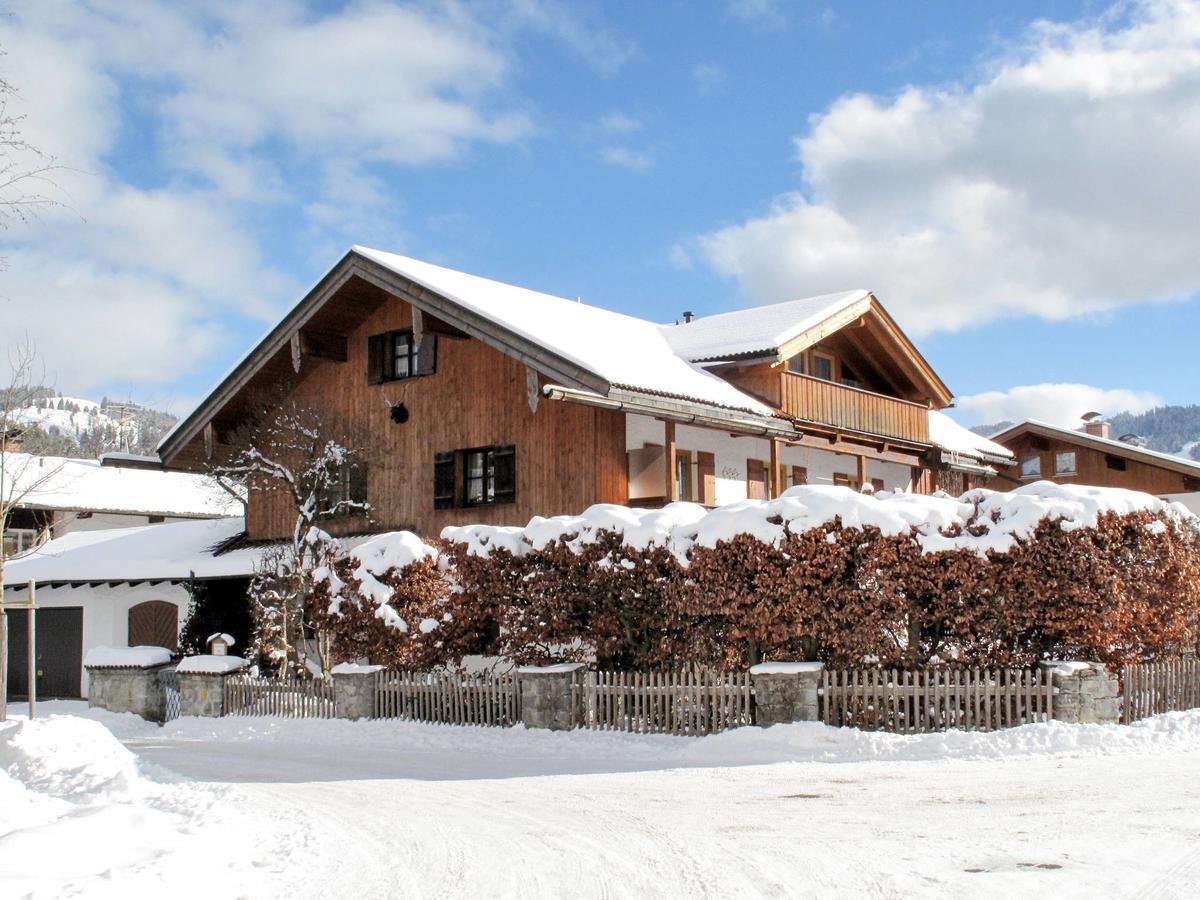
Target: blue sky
[{"x": 1019, "y": 183}]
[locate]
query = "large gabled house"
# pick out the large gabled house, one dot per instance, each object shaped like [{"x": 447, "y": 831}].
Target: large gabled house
[
  {"x": 1092, "y": 456},
  {"x": 517, "y": 403}
]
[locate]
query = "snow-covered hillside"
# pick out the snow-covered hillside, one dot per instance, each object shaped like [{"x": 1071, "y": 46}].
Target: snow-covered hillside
[{"x": 61, "y": 423}]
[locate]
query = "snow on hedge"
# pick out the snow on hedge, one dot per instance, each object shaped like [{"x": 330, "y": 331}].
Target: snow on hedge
[
  {"x": 980, "y": 520},
  {"x": 371, "y": 560}
]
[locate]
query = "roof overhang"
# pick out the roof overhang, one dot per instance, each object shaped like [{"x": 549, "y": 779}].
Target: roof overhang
[
  {"x": 356, "y": 265},
  {"x": 683, "y": 411}
]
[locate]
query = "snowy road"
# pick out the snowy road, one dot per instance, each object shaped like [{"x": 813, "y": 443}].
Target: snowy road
[{"x": 398, "y": 810}]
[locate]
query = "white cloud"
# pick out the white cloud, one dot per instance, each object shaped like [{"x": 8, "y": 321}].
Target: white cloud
[
  {"x": 1058, "y": 404},
  {"x": 238, "y": 113},
  {"x": 767, "y": 12},
  {"x": 627, "y": 158},
  {"x": 1064, "y": 181}
]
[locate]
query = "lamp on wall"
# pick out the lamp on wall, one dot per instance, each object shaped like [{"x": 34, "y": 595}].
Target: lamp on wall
[{"x": 399, "y": 413}]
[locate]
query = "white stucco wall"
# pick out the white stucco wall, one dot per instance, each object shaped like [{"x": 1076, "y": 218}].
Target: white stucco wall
[
  {"x": 1191, "y": 501},
  {"x": 106, "y": 609},
  {"x": 732, "y": 452},
  {"x": 67, "y": 522}
]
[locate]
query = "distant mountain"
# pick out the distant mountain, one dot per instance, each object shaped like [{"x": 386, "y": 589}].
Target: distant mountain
[
  {"x": 1168, "y": 429},
  {"x": 75, "y": 427}
]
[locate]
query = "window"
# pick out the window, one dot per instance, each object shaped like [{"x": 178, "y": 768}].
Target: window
[
  {"x": 397, "y": 355},
  {"x": 796, "y": 364},
  {"x": 156, "y": 520},
  {"x": 489, "y": 475},
  {"x": 347, "y": 495},
  {"x": 1030, "y": 466},
  {"x": 443, "y": 480},
  {"x": 823, "y": 366},
  {"x": 849, "y": 378},
  {"x": 19, "y": 540},
  {"x": 1115, "y": 462},
  {"x": 1064, "y": 463},
  {"x": 684, "y": 483}
]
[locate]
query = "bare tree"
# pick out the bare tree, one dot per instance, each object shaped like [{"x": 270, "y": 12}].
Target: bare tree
[
  {"x": 307, "y": 457},
  {"x": 25, "y": 171},
  {"x": 20, "y": 474}
]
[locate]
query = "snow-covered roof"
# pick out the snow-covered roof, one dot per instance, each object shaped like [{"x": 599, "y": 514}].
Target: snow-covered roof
[
  {"x": 167, "y": 552},
  {"x": 622, "y": 350},
  {"x": 1179, "y": 463},
  {"x": 954, "y": 438},
  {"x": 55, "y": 482},
  {"x": 760, "y": 329}
]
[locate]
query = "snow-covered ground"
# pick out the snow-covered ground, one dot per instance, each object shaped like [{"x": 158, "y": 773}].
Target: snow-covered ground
[{"x": 266, "y": 807}]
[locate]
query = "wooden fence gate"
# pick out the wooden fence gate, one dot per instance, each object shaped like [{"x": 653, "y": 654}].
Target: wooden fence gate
[
  {"x": 295, "y": 698},
  {"x": 1148, "y": 689},
  {"x": 448, "y": 698},
  {"x": 693, "y": 702}
]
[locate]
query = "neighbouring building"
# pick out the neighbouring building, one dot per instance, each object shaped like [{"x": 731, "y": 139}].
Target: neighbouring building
[
  {"x": 116, "y": 587},
  {"x": 1093, "y": 456},
  {"x": 494, "y": 403},
  {"x": 57, "y": 496}
]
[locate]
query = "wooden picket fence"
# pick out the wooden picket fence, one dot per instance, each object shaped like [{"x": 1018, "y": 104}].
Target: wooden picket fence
[
  {"x": 691, "y": 701},
  {"x": 448, "y": 698},
  {"x": 918, "y": 700},
  {"x": 1148, "y": 689},
  {"x": 293, "y": 698}
]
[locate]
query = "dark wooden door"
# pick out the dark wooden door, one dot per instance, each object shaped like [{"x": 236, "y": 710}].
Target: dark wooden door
[{"x": 59, "y": 652}]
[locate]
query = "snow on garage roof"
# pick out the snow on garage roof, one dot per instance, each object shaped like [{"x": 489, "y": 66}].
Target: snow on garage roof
[
  {"x": 760, "y": 329},
  {"x": 55, "y": 482},
  {"x": 167, "y": 552},
  {"x": 622, "y": 350}
]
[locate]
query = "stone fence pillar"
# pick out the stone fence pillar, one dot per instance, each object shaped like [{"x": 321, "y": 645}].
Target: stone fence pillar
[
  {"x": 546, "y": 696},
  {"x": 354, "y": 690},
  {"x": 122, "y": 680},
  {"x": 1084, "y": 693},
  {"x": 786, "y": 692},
  {"x": 202, "y": 684}
]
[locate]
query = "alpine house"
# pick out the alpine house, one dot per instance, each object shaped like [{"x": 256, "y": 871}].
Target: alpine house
[{"x": 492, "y": 403}]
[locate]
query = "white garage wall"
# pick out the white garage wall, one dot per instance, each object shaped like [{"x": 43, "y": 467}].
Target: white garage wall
[
  {"x": 1191, "y": 501},
  {"x": 67, "y": 522},
  {"x": 106, "y": 609},
  {"x": 732, "y": 452}
]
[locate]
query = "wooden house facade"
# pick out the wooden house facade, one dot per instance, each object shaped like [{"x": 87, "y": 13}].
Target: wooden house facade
[
  {"x": 484, "y": 402},
  {"x": 1091, "y": 456}
]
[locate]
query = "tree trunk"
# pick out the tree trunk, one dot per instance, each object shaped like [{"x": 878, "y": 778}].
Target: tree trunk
[{"x": 3, "y": 664}]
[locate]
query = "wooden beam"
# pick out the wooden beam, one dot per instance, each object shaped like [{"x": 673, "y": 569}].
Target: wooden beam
[
  {"x": 863, "y": 476},
  {"x": 672, "y": 491},
  {"x": 776, "y": 487},
  {"x": 894, "y": 455}
]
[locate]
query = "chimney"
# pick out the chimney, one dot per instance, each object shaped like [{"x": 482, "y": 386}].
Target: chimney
[
  {"x": 687, "y": 316},
  {"x": 1095, "y": 426}
]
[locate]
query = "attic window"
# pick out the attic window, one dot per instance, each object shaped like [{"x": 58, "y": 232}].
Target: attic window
[
  {"x": 1064, "y": 463},
  {"x": 398, "y": 355},
  {"x": 1115, "y": 462},
  {"x": 823, "y": 366}
]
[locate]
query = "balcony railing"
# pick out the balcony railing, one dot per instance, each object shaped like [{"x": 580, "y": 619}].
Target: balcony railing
[{"x": 853, "y": 409}]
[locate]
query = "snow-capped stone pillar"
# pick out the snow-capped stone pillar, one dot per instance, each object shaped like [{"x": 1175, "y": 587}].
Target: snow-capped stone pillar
[
  {"x": 202, "y": 684},
  {"x": 127, "y": 679},
  {"x": 354, "y": 690},
  {"x": 1084, "y": 692},
  {"x": 547, "y": 699},
  {"x": 787, "y": 692}
]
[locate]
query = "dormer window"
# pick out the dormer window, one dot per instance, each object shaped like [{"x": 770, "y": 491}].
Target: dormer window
[{"x": 823, "y": 366}]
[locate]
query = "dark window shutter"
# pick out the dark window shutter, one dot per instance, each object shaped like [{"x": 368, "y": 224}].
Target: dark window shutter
[
  {"x": 756, "y": 479},
  {"x": 877, "y": 484},
  {"x": 799, "y": 475},
  {"x": 377, "y": 347},
  {"x": 357, "y": 487},
  {"x": 443, "y": 480},
  {"x": 505, "y": 460},
  {"x": 706, "y": 476},
  {"x": 427, "y": 355}
]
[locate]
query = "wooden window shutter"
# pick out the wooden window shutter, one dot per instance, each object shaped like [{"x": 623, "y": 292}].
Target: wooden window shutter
[
  {"x": 356, "y": 487},
  {"x": 505, "y": 461},
  {"x": 799, "y": 475},
  {"x": 877, "y": 484},
  {"x": 756, "y": 479},
  {"x": 706, "y": 477},
  {"x": 443, "y": 480},
  {"x": 377, "y": 351},
  {"x": 427, "y": 355}
]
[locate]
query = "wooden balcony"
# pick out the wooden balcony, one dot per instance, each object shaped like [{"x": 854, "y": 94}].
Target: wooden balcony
[{"x": 852, "y": 409}]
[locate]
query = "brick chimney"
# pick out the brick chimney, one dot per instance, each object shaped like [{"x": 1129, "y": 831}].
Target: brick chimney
[{"x": 1097, "y": 428}]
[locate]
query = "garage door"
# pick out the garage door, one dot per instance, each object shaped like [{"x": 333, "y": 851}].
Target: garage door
[
  {"x": 59, "y": 652},
  {"x": 154, "y": 623}
]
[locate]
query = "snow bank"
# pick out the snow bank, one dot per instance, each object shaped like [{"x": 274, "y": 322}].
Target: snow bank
[
  {"x": 979, "y": 520},
  {"x": 126, "y": 657},
  {"x": 211, "y": 665},
  {"x": 80, "y": 815}
]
